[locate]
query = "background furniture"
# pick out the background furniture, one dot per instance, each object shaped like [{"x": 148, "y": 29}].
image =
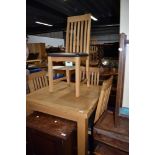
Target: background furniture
[
  {"x": 77, "y": 41},
  {"x": 111, "y": 133},
  {"x": 33, "y": 61},
  {"x": 93, "y": 75},
  {"x": 93, "y": 52},
  {"x": 50, "y": 135},
  {"x": 37, "y": 56},
  {"x": 110, "y": 139},
  {"x": 38, "y": 49},
  {"x": 120, "y": 81},
  {"x": 103, "y": 149},
  {"x": 37, "y": 81}
]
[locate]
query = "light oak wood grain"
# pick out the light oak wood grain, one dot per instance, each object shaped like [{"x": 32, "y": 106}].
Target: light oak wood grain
[
  {"x": 93, "y": 75},
  {"x": 104, "y": 97},
  {"x": 63, "y": 103},
  {"x": 37, "y": 80},
  {"x": 76, "y": 41}
]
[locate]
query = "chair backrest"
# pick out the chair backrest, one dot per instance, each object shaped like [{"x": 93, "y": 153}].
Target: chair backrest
[
  {"x": 37, "y": 80},
  {"x": 93, "y": 73},
  {"x": 93, "y": 49},
  {"x": 104, "y": 97},
  {"x": 78, "y": 33}
]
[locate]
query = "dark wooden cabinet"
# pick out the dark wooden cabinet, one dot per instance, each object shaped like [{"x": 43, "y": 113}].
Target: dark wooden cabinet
[
  {"x": 50, "y": 135},
  {"x": 38, "y": 49}
]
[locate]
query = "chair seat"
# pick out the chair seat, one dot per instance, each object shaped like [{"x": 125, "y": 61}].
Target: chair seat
[{"x": 65, "y": 54}]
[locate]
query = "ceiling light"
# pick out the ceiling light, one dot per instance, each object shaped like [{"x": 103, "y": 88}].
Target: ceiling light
[
  {"x": 112, "y": 25},
  {"x": 43, "y": 23},
  {"x": 93, "y": 18}
]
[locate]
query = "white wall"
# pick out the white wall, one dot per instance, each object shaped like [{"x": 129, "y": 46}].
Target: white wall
[
  {"x": 124, "y": 28},
  {"x": 126, "y": 81},
  {"x": 48, "y": 41},
  {"x": 124, "y": 17}
]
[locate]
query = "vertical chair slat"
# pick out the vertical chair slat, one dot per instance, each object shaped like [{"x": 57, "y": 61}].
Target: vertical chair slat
[
  {"x": 71, "y": 38},
  {"x": 43, "y": 81},
  {"x": 85, "y": 35},
  {"x": 78, "y": 35},
  {"x": 74, "y": 41},
  {"x": 95, "y": 79},
  {"x": 88, "y": 35},
  {"x": 81, "y": 37},
  {"x": 35, "y": 84},
  {"x": 40, "y": 82},
  {"x": 67, "y": 37}
]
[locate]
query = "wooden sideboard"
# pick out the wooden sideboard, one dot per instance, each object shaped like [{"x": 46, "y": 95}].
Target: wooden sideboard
[{"x": 37, "y": 48}]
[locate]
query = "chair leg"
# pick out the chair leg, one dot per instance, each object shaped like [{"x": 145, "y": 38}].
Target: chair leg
[
  {"x": 68, "y": 76},
  {"x": 87, "y": 72}
]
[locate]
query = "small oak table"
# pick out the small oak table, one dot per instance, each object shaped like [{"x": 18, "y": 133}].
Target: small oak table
[{"x": 63, "y": 103}]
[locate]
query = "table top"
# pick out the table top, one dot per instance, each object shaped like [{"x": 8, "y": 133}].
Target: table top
[{"x": 62, "y": 102}]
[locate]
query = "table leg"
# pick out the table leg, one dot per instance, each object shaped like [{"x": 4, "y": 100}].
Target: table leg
[
  {"x": 50, "y": 74},
  {"x": 77, "y": 76},
  {"x": 28, "y": 109},
  {"x": 82, "y": 135}
]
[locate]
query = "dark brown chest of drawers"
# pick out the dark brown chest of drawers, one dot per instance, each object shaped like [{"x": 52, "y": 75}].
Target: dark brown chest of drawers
[{"x": 50, "y": 135}]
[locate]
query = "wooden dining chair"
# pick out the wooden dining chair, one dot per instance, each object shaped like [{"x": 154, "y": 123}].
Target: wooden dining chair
[
  {"x": 93, "y": 51},
  {"x": 77, "y": 47},
  {"x": 104, "y": 98},
  {"x": 101, "y": 108},
  {"x": 102, "y": 103},
  {"x": 93, "y": 75},
  {"x": 37, "y": 80}
]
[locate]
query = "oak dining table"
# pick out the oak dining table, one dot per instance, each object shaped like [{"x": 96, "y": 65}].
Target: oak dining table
[{"x": 63, "y": 103}]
